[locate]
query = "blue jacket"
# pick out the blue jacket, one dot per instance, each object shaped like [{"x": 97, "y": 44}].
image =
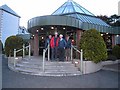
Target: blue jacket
[{"x": 62, "y": 43}]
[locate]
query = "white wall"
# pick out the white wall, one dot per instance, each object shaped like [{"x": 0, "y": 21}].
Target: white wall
[
  {"x": 10, "y": 25},
  {"x": 0, "y": 24}
]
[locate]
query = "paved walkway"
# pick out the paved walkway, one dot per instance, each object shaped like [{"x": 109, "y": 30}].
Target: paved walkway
[
  {"x": 112, "y": 67},
  {"x": 34, "y": 66},
  {"x": 100, "y": 79}
]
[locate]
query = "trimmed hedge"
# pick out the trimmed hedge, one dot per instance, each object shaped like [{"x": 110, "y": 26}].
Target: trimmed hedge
[
  {"x": 116, "y": 51},
  {"x": 11, "y": 43},
  {"x": 93, "y": 45}
]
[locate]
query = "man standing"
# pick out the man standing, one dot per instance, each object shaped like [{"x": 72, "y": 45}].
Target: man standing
[
  {"x": 61, "y": 46},
  {"x": 47, "y": 42},
  {"x": 54, "y": 46}
]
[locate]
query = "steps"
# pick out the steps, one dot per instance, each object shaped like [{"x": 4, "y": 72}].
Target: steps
[{"x": 34, "y": 67}]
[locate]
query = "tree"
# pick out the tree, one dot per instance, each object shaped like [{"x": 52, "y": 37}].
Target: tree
[
  {"x": 93, "y": 45},
  {"x": 11, "y": 43},
  {"x": 113, "y": 20}
]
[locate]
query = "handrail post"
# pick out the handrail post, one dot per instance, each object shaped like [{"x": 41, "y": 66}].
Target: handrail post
[
  {"x": 44, "y": 60},
  {"x": 81, "y": 59},
  {"x": 23, "y": 50},
  {"x": 48, "y": 52},
  {"x": 14, "y": 57},
  {"x": 29, "y": 50},
  {"x": 71, "y": 53}
]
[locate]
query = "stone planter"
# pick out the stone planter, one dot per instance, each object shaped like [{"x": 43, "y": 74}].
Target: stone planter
[{"x": 91, "y": 67}]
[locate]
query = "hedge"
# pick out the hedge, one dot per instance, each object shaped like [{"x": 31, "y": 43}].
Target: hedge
[
  {"x": 93, "y": 45},
  {"x": 11, "y": 43}
]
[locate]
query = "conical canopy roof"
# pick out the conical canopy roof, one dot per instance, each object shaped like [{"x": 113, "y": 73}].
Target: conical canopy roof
[{"x": 71, "y": 7}]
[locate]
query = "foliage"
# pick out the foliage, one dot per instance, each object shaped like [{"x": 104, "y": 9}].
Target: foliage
[
  {"x": 113, "y": 20},
  {"x": 116, "y": 51},
  {"x": 93, "y": 45},
  {"x": 11, "y": 43}
]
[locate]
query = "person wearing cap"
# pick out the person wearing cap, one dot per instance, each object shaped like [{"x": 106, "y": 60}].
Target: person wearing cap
[
  {"x": 54, "y": 46},
  {"x": 61, "y": 46}
]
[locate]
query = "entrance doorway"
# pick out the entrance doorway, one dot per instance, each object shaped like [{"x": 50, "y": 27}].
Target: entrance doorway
[{"x": 42, "y": 39}]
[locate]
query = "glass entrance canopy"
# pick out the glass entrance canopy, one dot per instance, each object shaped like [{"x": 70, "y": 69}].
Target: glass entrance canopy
[{"x": 73, "y": 15}]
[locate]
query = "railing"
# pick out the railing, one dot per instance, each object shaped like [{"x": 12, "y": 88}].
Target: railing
[
  {"x": 22, "y": 49},
  {"x": 73, "y": 47},
  {"x": 44, "y": 51},
  {"x": 81, "y": 57}
]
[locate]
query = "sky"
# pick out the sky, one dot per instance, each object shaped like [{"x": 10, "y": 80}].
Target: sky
[{"x": 28, "y": 9}]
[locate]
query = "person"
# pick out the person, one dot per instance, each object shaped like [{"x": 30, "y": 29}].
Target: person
[
  {"x": 67, "y": 49},
  {"x": 54, "y": 46},
  {"x": 47, "y": 42},
  {"x": 61, "y": 46}
]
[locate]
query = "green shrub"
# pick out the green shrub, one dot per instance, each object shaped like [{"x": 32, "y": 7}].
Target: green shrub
[
  {"x": 93, "y": 45},
  {"x": 116, "y": 51},
  {"x": 11, "y": 43}
]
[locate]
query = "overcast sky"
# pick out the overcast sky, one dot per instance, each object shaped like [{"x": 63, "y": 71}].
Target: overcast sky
[{"x": 28, "y": 9}]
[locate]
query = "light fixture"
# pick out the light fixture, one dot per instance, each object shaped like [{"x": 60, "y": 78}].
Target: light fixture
[
  {"x": 42, "y": 37},
  {"x": 117, "y": 35},
  {"x": 52, "y": 27},
  {"x": 33, "y": 35},
  {"x": 64, "y": 28},
  {"x": 37, "y": 30},
  {"x": 42, "y": 28},
  {"x": 106, "y": 33},
  {"x": 101, "y": 34}
]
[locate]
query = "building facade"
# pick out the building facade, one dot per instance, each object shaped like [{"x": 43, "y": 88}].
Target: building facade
[
  {"x": 9, "y": 23},
  {"x": 71, "y": 19}
]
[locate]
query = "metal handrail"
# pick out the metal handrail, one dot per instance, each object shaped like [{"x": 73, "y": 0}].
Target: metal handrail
[
  {"x": 81, "y": 56},
  {"x": 15, "y": 52},
  {"x": 75, "y": 49},
  {"x": 44, "y": 51}
]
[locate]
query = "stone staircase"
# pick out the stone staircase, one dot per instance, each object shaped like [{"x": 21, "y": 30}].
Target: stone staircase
[{"x": 33, "y": 66}]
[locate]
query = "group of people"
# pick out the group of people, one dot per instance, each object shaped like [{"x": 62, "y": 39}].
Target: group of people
[{"x": 59, "y": 47}]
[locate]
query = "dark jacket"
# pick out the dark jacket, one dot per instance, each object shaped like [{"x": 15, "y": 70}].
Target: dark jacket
[
  {"x": 62, "y": 43},
  {"x": 47, "y": 42},
  {"x": 68, "y": 43}
]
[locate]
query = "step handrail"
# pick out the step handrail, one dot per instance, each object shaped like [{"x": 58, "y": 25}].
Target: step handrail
[
  {"x": 44, "y": 51},
  {"x": 22, "y": 49},
  {"x": 81, "y": 56}
]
